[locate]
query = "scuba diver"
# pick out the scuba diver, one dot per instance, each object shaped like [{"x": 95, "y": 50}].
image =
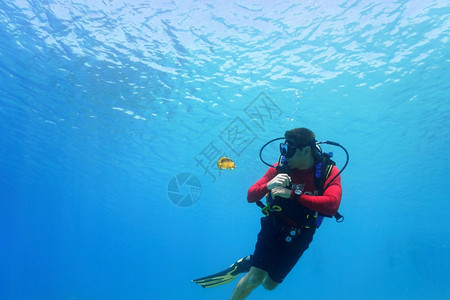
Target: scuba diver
[{"x": 300, "y": 190}]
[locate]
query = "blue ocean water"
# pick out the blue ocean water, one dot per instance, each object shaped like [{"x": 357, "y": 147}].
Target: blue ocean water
[{"x": 114, "y": 113}]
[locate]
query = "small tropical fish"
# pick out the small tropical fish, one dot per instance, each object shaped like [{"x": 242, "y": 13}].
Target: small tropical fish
[{"x": 225, "y": 163}]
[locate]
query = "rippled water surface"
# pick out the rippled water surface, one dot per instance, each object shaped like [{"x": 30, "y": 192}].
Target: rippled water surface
[{"x": 114, "y": 113}]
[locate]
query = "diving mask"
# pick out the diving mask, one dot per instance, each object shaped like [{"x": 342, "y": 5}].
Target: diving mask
[{"x": 287, "y": 149}]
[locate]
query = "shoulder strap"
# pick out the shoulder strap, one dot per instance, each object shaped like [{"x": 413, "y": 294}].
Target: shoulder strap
[{"x": 323, "y": 171}]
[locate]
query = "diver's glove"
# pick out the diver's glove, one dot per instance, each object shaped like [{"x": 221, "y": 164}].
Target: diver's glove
[{"x": 279, "y": 180}]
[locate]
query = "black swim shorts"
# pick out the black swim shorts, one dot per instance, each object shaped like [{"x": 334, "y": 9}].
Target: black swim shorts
[{"x": 273, "y": 254}]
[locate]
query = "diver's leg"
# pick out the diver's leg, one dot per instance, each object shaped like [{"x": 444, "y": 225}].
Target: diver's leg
[
  {"x": 248, "y": 283},
  {"x": 269, "y": 284}
]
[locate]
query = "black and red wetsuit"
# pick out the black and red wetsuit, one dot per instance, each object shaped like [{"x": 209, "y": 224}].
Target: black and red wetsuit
[{"x": 272, "y": 253}]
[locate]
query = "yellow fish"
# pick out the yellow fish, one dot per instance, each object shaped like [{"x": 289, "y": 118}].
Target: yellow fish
[{"x": 225, "y": 163}]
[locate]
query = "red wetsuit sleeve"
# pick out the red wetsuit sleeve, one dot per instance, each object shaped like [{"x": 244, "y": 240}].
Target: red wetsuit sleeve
[
  {"x": 259, "y": 188},
  {"x": 328, "y": 203}
]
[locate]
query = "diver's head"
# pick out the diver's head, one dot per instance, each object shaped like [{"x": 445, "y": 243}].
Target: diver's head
[{"x": 299, "y": 148}]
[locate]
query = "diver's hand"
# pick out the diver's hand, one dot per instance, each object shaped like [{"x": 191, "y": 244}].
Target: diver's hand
[
  {"x": 281, "y": 192},
  {"x": 279, "y": 180}
]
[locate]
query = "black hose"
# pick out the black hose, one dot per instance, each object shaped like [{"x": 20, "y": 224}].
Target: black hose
[
  {"x": 345, "y": 165},
  {"x": 318, "y": 143},
  {"x": 262, "y": 148}
]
